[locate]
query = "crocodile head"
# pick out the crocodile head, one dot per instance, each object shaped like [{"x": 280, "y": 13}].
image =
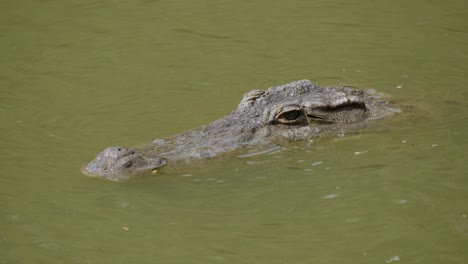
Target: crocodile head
[
  {"x": 302, "y": 109},
  {"x": 295, "y": 111}
]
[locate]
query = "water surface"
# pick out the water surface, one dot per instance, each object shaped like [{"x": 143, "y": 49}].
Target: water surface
[{"x": 78, "y": 76}]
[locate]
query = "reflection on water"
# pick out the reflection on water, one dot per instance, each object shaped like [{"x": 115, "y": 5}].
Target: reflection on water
[{"x": 78, "y": 77}]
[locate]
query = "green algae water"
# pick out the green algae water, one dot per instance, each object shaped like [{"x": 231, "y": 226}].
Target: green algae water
[{"x": 79, "y": 76}]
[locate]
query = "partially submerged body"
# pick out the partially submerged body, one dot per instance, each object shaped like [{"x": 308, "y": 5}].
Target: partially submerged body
[{"x": 295, "y": 111}]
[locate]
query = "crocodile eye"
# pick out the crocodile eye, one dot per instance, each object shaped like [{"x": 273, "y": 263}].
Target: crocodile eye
[{"x": 292, "y": 117}]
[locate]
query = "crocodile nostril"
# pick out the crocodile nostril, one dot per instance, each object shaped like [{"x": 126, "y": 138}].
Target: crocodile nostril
[{"x": 127, "y": 164}]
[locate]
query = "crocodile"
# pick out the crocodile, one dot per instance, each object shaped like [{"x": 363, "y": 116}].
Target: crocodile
[{"x": 298, "y": 110}]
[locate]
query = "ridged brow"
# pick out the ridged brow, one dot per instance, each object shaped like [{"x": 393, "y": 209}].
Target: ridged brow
[{"x": 338, "y": 103}]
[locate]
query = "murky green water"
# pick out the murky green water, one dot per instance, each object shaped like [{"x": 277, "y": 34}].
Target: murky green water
[{"x": 78, "y": 76}]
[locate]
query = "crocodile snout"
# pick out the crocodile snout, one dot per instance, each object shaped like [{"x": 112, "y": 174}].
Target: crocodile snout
[{"x": 115, "y": 163}]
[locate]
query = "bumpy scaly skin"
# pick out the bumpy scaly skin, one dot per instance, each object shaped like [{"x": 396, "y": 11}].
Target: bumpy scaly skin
[{"x": 295, "y": 111}]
